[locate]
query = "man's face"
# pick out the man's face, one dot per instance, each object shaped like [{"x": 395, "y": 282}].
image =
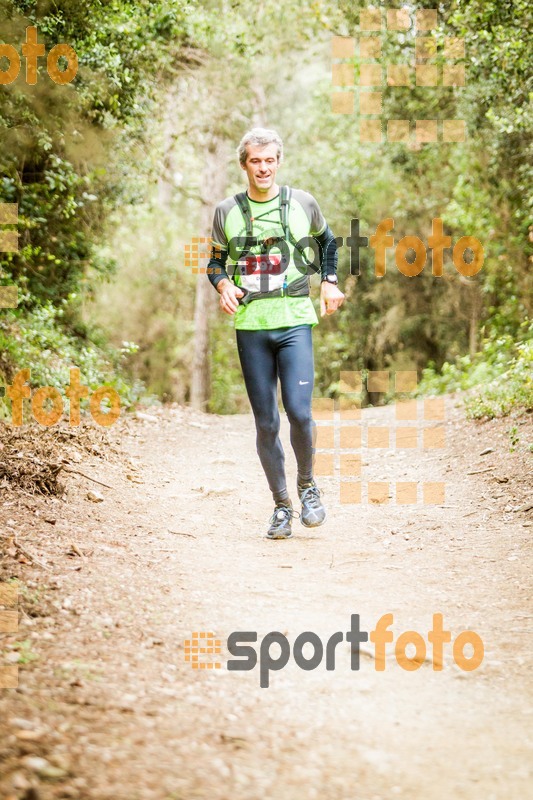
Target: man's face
[{"x": 261, "y": 166}]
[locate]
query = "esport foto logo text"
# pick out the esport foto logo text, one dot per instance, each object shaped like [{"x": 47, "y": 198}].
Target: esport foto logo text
[{"x": 410, "y": 650}]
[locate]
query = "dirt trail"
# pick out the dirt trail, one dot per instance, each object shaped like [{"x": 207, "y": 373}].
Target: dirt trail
[{"x": 116, "y": 712}]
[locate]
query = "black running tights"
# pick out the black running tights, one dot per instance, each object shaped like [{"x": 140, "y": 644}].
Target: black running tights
[{"x": 286, "y": 353}]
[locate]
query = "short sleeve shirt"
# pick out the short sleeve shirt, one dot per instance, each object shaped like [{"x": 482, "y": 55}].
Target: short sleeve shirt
[{"x": 305, "y": 220}]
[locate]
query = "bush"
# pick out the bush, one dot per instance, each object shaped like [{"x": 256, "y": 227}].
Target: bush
[
  {"x": 502, "y": 371},
  {"x": 37, "y": 341}
]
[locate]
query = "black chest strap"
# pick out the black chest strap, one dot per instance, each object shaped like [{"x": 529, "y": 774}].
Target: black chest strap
[
  {"x": 284, "y": 206},
  {"x": 300, "y": 286}
]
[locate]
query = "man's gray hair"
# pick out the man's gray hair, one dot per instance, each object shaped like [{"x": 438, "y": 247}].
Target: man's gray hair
[{"x": 259, "y": 136}]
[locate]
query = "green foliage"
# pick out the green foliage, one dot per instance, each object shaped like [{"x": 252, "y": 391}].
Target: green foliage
[
  {"x": 36, "y": 340},
  {"x": 83, "y": 163},
  {"x": 24, "y": 649},
  {"x": 478, "y": 188},
  {"x": 69, "y": 156},
  {"x": 514, "y": 438},
  {"x": 502, "y": 374},
  {"x": 228, "y": 394}
]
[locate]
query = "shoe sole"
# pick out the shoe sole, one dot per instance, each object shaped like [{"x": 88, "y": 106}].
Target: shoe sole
[
  {"x": 314, "y": 524},
  {"x": 283, "y": 536}
]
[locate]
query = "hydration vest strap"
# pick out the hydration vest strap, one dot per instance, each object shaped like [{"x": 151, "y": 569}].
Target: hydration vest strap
[
  {"x": 284, "y": 205},
  {"x": 298, "y": 286},
  {"x": 242, "y": 201}
]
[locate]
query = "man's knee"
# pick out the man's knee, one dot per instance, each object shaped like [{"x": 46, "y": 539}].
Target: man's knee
[
  {"x": 300, "y": 416},
  {"x": 267, "y": 428}
]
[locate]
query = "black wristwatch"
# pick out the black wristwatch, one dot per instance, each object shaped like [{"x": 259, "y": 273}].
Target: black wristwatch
[{"x": 330, "y": 279}]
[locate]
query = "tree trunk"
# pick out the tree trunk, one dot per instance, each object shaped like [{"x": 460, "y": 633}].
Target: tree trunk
[
  {"x": 214, "y": 186},
  {"x": 476, "y": 304},
  {"x": 259, "y": 105},
  {"x": 474, "y": 319},
  {"x": 165, "y": 182}
]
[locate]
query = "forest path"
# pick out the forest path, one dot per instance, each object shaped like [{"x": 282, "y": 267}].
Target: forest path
[{"x": 178, "y": 546}]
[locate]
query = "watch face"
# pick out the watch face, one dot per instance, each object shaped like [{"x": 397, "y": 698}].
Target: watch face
[{"x": 332, "y": 279}]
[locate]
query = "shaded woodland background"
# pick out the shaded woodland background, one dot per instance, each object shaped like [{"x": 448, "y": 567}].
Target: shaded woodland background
[{"x": 117, "y": 171}]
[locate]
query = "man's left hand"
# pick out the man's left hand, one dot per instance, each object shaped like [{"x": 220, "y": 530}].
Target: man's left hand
[{"x": 331, "y": 298}]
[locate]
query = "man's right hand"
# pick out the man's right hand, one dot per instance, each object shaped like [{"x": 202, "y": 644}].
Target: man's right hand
[{"x": 229, "y": 294}]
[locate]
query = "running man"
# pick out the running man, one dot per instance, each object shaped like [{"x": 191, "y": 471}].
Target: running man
[{"x": 260, "y": 238}]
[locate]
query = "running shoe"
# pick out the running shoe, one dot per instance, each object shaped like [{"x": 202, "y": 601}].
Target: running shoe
[
  {"x": 313, "y": 512},
  {"x": 280, "y": 522}
]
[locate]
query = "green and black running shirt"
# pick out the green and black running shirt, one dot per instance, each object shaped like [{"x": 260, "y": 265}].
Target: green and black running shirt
[{"x": 304, "y": 219}]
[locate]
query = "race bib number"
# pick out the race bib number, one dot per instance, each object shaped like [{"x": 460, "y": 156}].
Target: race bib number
[{"x": 261, "y": 273}]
